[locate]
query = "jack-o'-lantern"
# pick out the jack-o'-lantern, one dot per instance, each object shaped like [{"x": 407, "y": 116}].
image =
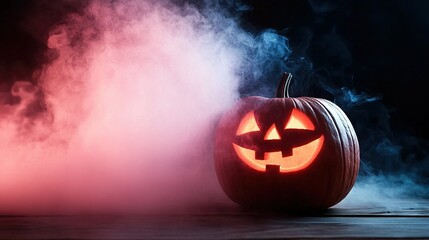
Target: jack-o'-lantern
[{"x": 290, "y": 153}]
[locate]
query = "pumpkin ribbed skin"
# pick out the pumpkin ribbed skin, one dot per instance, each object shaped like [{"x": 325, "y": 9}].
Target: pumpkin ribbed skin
[{"x": 324, "y": 183}]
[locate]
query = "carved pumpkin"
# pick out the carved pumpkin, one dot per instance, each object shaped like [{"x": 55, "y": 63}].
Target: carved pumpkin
[{"x": 289, "y": 153}]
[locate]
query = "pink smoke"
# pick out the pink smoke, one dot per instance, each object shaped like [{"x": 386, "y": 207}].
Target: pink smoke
[{"x": 131, "y": 102}]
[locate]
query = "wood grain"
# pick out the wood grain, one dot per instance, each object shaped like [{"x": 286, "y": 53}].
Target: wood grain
[{"x": 406, "y": 219}]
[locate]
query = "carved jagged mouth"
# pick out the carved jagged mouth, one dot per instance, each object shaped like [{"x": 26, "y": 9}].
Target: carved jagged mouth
[{"x": 301, "y": 157}]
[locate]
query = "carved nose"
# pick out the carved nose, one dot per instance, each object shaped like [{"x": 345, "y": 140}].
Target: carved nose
[{"x": 272, "y": 133}]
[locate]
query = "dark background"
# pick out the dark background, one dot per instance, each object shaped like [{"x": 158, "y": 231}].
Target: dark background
[
  {"x": 368, "y": 56},
  {"x": 377, "y": 47}
]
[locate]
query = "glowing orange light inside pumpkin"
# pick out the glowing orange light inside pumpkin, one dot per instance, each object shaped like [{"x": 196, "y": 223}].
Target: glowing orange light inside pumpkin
[
  {"x": 301, "y": 157},
  {"x": 248, "y": 124},
  {"x": 298, "y": 120},
  {"x": 272, "y": 133}
]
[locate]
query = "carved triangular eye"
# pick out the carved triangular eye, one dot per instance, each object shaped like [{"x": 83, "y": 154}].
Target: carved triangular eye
[
  {"x": 247, "y": 124},
  {"x": 298, "y": 120}
]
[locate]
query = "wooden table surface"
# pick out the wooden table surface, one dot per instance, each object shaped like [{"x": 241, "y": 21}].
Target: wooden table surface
[{"x": 403, "y": 219}]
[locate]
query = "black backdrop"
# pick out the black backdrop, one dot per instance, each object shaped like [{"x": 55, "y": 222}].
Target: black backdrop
[
  {"x": 380, "y": 47},
  {"x": 376, "y": 50},
  {"x": 368, "y": 56}
]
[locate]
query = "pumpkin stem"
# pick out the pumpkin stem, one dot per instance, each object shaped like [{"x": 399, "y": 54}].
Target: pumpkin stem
[{"x": 283, "y": 87}]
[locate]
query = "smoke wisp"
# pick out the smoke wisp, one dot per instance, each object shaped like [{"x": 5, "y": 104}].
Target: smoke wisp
[{"x": 121, "y": 117}]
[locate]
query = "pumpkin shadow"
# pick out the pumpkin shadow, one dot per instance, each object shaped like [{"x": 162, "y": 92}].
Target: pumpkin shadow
[{"x": 275, "y": 211}]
